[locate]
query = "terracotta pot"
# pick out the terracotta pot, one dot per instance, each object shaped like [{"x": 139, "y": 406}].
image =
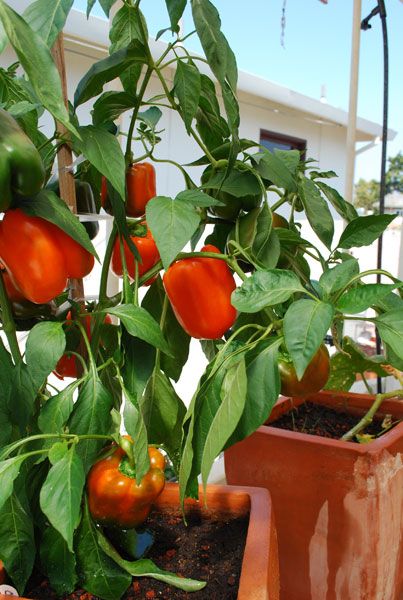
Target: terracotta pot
[
  {"x": 338, "y": 505},
  {"x": 259, "y": 576}
]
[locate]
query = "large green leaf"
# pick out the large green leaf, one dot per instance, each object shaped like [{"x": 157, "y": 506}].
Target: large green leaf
[
  {"x": 91, "y": 414},
  {"x": 9, "y": 471},
  {"x": 146, "y": 568},
  {"x": 57, "y": 410},
  {"x": 98, "y": 574},
  {"x": 60, "y": 496},
  {"x": 163, "y": 413},
  {"x": 139, "y": 361},
  {"x": 141, "y": 324},
  {"x": 47, "y": 18},
  {"x": 305, "y": 325},
  {"x": 360, "y": 298},
  {"x": 17, "y": 548},
  {"x": 175, "y": 10},
  {"x": 233, "y": 397},
  {"x": 36, "y": 61},
  {"x": 126, "y": 28},
  {"x": 339, "y": 276},
  {"x": 237, "y": 183},
  {"x": 107, "y": 69},
  {"x": 103, "y": 151},
  {"x": 187, "y": 88},
  {"x": 275, "y": 167},
  {"x": 316, "y": 210},
  {"x": 390, "y": 327},
  {"x": 263, "y": 388},
  {"x": 110, "y": 105},
  {"x": 344, "y": 208},
  {"x": 265, "y": 288},
  {"x": 172, "y": 223},
  {"x": 362, "y": 231},
  {"x": 47, "y": 205},
  {"x": 54, "y": 553}
]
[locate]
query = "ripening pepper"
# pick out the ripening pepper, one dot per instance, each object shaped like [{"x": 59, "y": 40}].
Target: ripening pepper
[
  {"x": 147, "y": 249},
  {"x": 140, "y": 188},
  {"x": 199, "y": 290},
  {"x": 40, "y": 257},
  {"x": 114, "y": 498},
  {"x": 21, "y": 169}
]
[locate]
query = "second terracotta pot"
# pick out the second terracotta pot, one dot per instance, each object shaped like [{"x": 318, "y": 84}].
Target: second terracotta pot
[{"x": 338, "y": 505}]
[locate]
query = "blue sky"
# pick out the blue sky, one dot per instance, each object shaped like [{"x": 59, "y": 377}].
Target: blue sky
[{"x": 317, "y": 52}]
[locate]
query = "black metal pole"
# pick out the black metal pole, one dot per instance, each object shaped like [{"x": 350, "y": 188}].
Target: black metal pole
[{"x": 381, "y": 10}]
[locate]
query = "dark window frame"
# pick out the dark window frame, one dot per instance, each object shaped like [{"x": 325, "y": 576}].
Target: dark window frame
[{"x": 294, "y": 142}]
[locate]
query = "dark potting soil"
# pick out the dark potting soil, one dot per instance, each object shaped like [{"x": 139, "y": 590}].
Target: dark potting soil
[
  {"x": 317, "y": 419},
  {"x": 210, "y": 548}
]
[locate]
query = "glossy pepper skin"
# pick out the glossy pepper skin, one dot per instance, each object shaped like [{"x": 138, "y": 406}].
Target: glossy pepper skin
[
  {"x": 147, "y": 249},
  {"x": 115, "y": 499},
  {"x": 140, "y": 188},
  {"x": 21, "y": 169},
  {"x": 313, "y": 380},
  {"x": 40, "y": 257},
  {"x": 199, "y": 290}
]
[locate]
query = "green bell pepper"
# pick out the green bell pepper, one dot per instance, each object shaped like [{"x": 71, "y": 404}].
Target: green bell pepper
[{"x": 21, "y": 168}]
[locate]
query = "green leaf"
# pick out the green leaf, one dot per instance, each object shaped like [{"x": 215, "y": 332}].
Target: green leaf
[
  {"x": 178, "y": 338},
  {"x": 344, "y": 366},
  {"x": 216, "y": 48},
  {"x": 3, "y": 38},
  {"x": 316, "y": 210},
  {"x": 36, "y": 60},
  {"x": 233, "y": 397},
  {"x": 9, "y": 471},
  {"x": 266, "y": 245},
  {"x": 163, "y": 413},
  {"x": 172, "y": 224},
  {"x": 360, "y": 298},
  {"x": 211, "y": 126},
  {"x": 135, "y": 427},
  {"x": 275, "y": 168},
  {"x": 187, "y": 88},
  {"x": 362, "y": 231},
  {"x": 17, "y": 548},
  {"x": 107, "y": 5},
  {"x": 150, "y": 117},
  {"x": 305, "y": 325},
  {"x": 237, "y": 183},
  {"x": 98, "y": 574},
  {"x": 50, "y": 207},
  {"x": 103, "y": 150},
  {"x": 57, "y": 410},
  {"x": 146, "y": 568},
  {"x": 198, "y": 198},
  {"x": 107, "y": 69},
  {"x": 47, "y": 18},
  {"x": 263, "y": 388},
  {"x": 344, "y": 208},
  {"x": 175, "y": 10},
  {"x": 60, "y": 496},
  {"x": 265, "y": 288},
  {"x": 339, "y": 276},
  {"x": 45, "y": 345},
  {"x": 90, "y": 6},
  {"x": 54, "y": 553},
  {"x": 91, "y": 415},
  {"x": 125, "y": 29},
  {"x": 110, "y": 105},
  {"x": 139, "y": 361},
  {"x": 390, "y": 327},
  {"x": 141, "y": 324}
]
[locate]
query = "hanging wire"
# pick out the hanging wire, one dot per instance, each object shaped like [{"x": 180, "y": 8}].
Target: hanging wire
[
  {"x": 365, "y": 24},
  {"x": 283, "y": 24}
]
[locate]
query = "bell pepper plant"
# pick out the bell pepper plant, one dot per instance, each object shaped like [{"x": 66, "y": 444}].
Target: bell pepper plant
[{"x": 224, "y": 261}]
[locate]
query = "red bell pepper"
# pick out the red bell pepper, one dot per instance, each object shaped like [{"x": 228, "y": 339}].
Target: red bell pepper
[
  {"x": 199, "y": 290},
  {"x": 147, "y": 249}
]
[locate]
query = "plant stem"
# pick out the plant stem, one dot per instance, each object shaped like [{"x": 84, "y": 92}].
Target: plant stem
[
  {"x": 8, "y": 323},
  {"x": 48, "y": 436},
  {"x": 369, "y": 416},
  {"x": 279, "y": 203},
  {"x": 143, "y": 88}
]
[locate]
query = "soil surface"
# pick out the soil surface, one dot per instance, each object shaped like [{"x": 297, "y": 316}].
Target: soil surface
[
  {"x": 317, "y": 419},
  {"x": 210, "y": 549}
]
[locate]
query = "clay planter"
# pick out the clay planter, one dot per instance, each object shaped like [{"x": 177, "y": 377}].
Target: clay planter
[
  {"x": 259, "y": 576},
  {"x": 338, "y": 505}
]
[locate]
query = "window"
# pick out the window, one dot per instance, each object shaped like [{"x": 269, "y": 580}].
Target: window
[{"x": 272, "y": 140}]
